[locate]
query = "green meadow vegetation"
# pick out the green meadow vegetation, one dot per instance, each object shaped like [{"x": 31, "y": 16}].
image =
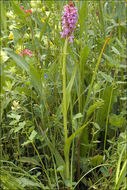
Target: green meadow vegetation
[{"x": 63, "y": 95}]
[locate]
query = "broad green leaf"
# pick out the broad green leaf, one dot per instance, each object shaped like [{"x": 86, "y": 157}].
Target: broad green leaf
[
  {"x": 84, "y": 69},
  {"x": 119, "y": 43},
  {"x": 84, "y": 55},
  {"x": 70, "y": 139},
  {"x": 14, "y": 116},
  {"x": 18, "y": 59},
  {"x": 60, "y": 168},
  {"x": 29, "y": 160},
  {"x": 93, "y": 107},
  {"x": 83, "y": 13},
  {"x": 74, "y": 120},
  {"x": 37, "y": 83},
  {"x": 102, "y": 112},
  {"x": 14, "y": 122},
  {"x": 27, "y": 92},
  {"x": 110, "y": 60},
  {"x": 115, "y": 51},
  {"x": 17, "y": 36},
  {"x": 117, "y": 120},
  {"x": 36, "y": 79},
  {"x": 96, "y": 160},
  {"x": 26, "y": 143},
  {"x": 106, "y": 77},
  {"x": 33, "y": 135},
  {"x": 44, "y": 26},
  {"x": 122, "y": 66},
  {"x": 77, "y": 116},
  {"x": 21, "y": 126},
  {"x": 59, "y": 160},
  {"x": 123, "y": 98},
  {"x": 96, "y": 125},
  {"x": 25, "y": 182}
]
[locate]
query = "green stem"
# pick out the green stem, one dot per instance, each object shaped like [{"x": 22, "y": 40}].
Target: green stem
[
  {"x": 80, "y": 80},
  {"x": 64, "y": 91},
  {"x": 42, "y": 163},
  {"x": 65, "y": 105}
]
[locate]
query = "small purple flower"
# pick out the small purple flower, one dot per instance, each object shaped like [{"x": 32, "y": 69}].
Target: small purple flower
[
  {"x": 22, "y": 85},
  {"x": 45, "y": 75},
  {"x": 69, "y": 20}
]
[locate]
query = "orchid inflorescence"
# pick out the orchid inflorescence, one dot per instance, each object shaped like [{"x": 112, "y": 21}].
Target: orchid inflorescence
[{"x": 69, "y": 20}]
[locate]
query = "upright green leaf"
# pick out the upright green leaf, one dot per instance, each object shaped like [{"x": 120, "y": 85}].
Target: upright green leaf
[
  {"x": 93, "y": 107},
  {"x": 102, "y": 112},
  {"x": 122, "y": 175},
  {"x": 69, "y": 87},
  {"x": 70, "y": 139},
  {"x": 118, "y": 166},
  {"x": 36, "y": 79},
  {"x": 44, "y": 27},
  {"x": 83, "y": 13}
]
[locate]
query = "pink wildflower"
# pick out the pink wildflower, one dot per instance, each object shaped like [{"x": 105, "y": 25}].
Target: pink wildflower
[
  {"x": 69, "y": 20},
  {"x": 28, "y": 11},
  {"x": 26, "y": 52}
]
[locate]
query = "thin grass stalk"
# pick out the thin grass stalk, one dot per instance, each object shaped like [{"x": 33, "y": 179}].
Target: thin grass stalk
[
  {"x": 35, "y": 150},
  {"x": 80, "y": 80},
  {"x": 80, "y": 93},
  {"x": 55, "y": 172},
  {"x": 80, "y": 111},
  {"x": 88, "y": 173},
  {"x": 65, "y": 105},
  {"x": 73, "y": 147},
  {"x": 42, "y": 163},
  {"x": 24, "y": 172}
]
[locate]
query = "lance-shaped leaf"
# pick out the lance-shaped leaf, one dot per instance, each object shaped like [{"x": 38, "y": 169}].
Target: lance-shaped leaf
[
  {"x": 69, "y": 87},
  {"x": 93, "y": 107},
  {"x": 70, "y": 139},
  {"x": 18, "y": 59}
]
